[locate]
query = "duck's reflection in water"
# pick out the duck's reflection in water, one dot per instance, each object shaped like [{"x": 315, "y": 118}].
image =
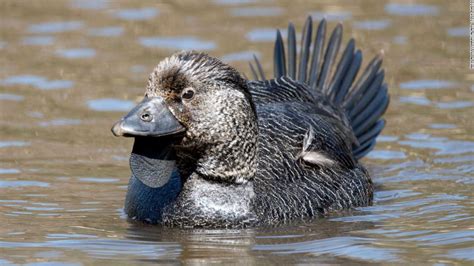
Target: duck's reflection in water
[
  {"x": 248, "y": 246},
  {"x": 196, "y": 246}
]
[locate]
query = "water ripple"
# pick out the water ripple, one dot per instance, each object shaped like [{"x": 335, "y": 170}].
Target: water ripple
[
  {"x": 4, "y": 171},
  {"x": 38, "y": 82},
  {"x": 368, "y": 217},
  {"x": 55, "y": 27},
  {"x": 352, "y": 247},
  {"x": 386, "y": 195},
  {"x": 458, "y": 159},
  {"x": 454, "y": 105},
  {"x": 459, "y": 32},
  {"x": 427, "y": 84},
  {"x": 372, "y": 24},
  {"x": 411, "y": 9},
  {"x": 13, "y": 143},
  {"x": 89, "y": 4},
  {"x": 385, "y": 138},
  {"x": 418, "y": 100},
  {"x": 263, "y": 34},
  {"x": 460, "y": 253},
  {"x": 178, "y": 43},
  {"x": 6, "y": 262},
  {"x": 106, "y": 31},
  {"x": 442, "y": 126},
  {"x": 444, "y": 146},
  {"x": 413, "y": 175},
  {"x": 331, "y": 15},
  {"x": 110, "y": 104},
  {"x": 240, "y": 56},
  {"x": 22, "y": 183},
  {"x": 137, "y": 14},
  {"x": 60, "y": 122},
  {"x": 102, "y": 247},
  {"x": 256, "y": 11},
  {"x": 438, "y": 239},
  {"x": 98, "y": 179},
  {"x": 11, "y": 97},
  {"x": 76, "y": 53},
  {"x": 386, "y": 155},
  {"x": 38, "y": 40}
]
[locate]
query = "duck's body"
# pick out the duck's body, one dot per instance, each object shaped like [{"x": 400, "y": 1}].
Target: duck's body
[
  {"x": 286, "y": 186},
  {"x": 256, "y": 152}
]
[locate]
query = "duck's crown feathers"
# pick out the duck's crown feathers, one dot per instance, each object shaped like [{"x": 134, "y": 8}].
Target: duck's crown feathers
[
  {"x": 192, "y": 68},
  {"x": 198, "y": 67}
]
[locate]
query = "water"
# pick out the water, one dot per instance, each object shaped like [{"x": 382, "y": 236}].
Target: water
[
  {"x": 137, "y": 14},
  {"x": 63, "y": 176},
  {"x": 39, "y": 82},
  {"x": 245, "y": 56},
  {"x": 411, "y": 9},
  {"x": 256, "y": 11},
  {"x": 38, "y": 40},
  {"x": 55, "y": 27},
  {"x": 263, "y": 35},
  {"x": 178, "y": 43},
  {"x": 106, "y": 31},
  {"x": 76, "y": 53},
  {"x": 427, "y": 84},
  {"x": 372, "y": 24},
  {"x": 110, "y": 104}
]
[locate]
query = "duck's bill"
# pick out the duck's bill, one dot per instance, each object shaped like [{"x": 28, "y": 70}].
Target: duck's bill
[{"x": 151, "y": 118}]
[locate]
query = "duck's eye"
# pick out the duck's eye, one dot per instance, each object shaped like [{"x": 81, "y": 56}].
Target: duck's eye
[
  {"x": 147, "y": 117},
  {"x": 188, "y": 94}
]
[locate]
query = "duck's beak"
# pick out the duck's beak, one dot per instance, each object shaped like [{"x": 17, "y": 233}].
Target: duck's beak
[{"x": 151, "y": 117}]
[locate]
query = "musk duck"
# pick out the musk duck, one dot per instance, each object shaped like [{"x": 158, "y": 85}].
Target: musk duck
[{"x": 214, "y": 149}]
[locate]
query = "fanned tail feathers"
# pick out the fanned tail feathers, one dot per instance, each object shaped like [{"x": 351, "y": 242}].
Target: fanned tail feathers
[{"x": 364, "y": 100}]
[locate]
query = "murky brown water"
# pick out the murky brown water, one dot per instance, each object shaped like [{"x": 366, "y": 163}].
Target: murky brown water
[{"x": 69, "y": 69}]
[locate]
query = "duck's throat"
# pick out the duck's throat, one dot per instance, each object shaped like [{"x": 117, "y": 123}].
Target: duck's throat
[{"x": 233, "y": 162}]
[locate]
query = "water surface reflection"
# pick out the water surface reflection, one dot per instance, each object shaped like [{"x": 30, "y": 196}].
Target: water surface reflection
[{"x": 69, "y": 69}]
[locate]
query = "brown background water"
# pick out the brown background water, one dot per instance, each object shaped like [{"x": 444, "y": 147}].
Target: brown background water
[{"x": 69, "y": 69}]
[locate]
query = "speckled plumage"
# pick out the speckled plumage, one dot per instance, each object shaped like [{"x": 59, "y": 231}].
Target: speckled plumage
[
  {"x": 220, "y": 116},
  {"x": 272, "y": 151}
]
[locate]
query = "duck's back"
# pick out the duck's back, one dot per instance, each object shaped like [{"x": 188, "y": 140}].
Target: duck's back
[
  {"x": 314, "y": 125},
  {"x": 287, "y": 184}
]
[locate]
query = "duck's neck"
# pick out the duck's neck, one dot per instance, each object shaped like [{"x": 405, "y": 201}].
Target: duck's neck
[
  {"x": 233, "y": 157},
  {"x": 234, "y": 162}
]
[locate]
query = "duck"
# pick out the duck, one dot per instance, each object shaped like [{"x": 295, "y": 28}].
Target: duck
[{"x": 215, "y": 149}]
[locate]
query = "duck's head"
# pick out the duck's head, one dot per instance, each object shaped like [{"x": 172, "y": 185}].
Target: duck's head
[{"x": 206, "y": 104}]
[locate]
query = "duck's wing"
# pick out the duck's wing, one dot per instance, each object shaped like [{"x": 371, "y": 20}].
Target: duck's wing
[
  {"x": 286, "y": 90},
  {"x": 363, "y": 100}
]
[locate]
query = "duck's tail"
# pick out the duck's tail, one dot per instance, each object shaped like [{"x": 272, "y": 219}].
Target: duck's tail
[{"x": 364, "y": 99}]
